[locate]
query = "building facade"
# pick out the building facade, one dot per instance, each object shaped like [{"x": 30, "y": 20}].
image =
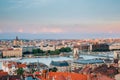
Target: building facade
[
  {"x": 114, "y": 46},
  {"x": 81, "y": 63},
  {"x": 13, "y": 52},
  {"x": 76, "y": 52},
  {"x": 117, "y": 55},
  {"x": 100, "y": 47},
  {"x": 84, "y": 47},
  {"x": 48, "y": 47}
]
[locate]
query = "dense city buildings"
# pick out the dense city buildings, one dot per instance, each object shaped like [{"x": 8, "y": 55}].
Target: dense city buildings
[
  {"x": 78, "y": 46},
  {"x": 82, "y": 67},
  {"x": 59, "y": 39}
]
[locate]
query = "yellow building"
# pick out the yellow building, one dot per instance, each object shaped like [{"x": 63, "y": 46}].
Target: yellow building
[{"x": 16, "y": 52}]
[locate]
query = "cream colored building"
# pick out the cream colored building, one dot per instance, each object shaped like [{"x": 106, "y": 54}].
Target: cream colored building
[
  {"x": 76, "y": 51},
  {"x": 114, "y": 46},
  {"x": 117, "y": 55},
  {"x": 17, "y": 52},
  {"x": 59, "y": 46},
  {"x": 49, "y": 47}
]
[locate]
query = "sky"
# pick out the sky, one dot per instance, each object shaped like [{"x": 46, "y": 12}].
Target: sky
[{"x": 66, "y": 18}]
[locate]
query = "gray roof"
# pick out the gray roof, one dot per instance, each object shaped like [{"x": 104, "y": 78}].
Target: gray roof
[
  {"x": 89, "y": 61},
  {"x": 59, "y": 63}
]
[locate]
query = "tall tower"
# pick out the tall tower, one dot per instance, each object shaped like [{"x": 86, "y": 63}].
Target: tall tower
[
  {"x": 17, "y": 42},
  {"x": 17, "y": 38},
  {"x": 76, "y": 52},
  {"x": 117, "y": 55}
]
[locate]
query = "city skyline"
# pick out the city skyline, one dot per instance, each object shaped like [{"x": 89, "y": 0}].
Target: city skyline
[{"x": 59, "y": 18}]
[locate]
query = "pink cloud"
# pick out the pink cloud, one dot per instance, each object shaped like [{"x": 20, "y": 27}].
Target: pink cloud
[
  {"x": 36, "y": 30},
  {"x": 52, "y": 30},
  {"x": 20, "y": 30},
  {"x": 84, "y": 28}
]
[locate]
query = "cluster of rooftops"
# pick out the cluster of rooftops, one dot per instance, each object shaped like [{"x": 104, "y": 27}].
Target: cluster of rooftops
[{"x": 79, "y": 61}]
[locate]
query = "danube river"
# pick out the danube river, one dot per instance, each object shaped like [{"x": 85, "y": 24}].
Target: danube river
[{"x": 49, "y": 59}]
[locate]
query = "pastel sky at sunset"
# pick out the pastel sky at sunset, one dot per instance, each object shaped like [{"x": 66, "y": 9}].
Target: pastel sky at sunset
[{"x": 59, "y": 17}]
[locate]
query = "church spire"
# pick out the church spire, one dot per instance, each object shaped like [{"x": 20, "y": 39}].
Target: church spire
[{"x": 16, "y": 37}]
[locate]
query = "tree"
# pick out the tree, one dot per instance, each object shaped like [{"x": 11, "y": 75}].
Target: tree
[
  {"x": 54, "y": 69},
  {"x": 50, "y": 69},
  {"x": 20, "y": 71},
  {"x": 38, "y": 52},
  {"x": 49, "y": 51},
  {"x": 57, "y": 51},
  {"x": 62, "y": 49},
  {"x": 34, "y": 51},
  {"x": 67, "y": 49}
]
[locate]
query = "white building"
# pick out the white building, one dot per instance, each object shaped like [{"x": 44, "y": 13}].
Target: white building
[
  {"x": 114, "y": 46},
  {"x": 76, "y": 52},
  {"x": 117, "y": 55}
]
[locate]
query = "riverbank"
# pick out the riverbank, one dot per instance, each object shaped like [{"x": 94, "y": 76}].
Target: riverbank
[{"x": 100, "y": 54}]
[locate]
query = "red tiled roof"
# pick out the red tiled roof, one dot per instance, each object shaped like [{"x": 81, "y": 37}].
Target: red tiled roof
[
  {"x": 64, "y": 75},
  {"x": 10, "y": 65},
  {"x": 22, "y": 65},
  {"x": 2, "y": 73},
  {"x": 37, "y": 73}
]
